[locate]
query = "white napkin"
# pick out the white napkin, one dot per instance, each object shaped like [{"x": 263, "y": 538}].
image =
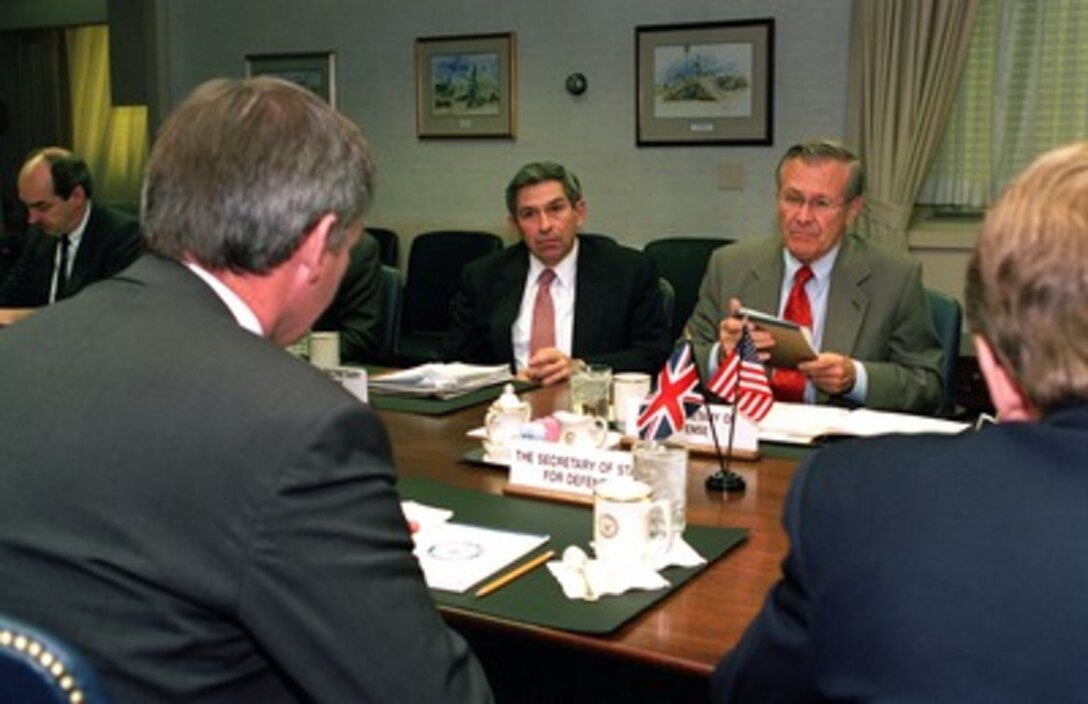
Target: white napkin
[
  {"x": 680, "y": 554},
  {"x": 584, "y": 579}
]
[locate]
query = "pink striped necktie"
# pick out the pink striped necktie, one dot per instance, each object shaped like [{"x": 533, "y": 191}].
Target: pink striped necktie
[{"x": 542, "y": 333}]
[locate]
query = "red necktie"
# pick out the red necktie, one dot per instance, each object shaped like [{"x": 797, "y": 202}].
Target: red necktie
[
  {"x": 542, "y": 333},
  {"x": 789, "y": 384}
]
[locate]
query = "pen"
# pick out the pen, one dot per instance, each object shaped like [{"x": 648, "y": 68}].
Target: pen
[{"x": 513, "y": 574}]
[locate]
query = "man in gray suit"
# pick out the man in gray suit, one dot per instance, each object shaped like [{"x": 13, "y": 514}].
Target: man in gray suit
[
  {"x": 205, "y": 516},
  {"x": 938, "y": 568},
  {"x": 868, "y": 311}
]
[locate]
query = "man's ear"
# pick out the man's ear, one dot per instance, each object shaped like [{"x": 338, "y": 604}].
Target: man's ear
[
  {"x": 1008, "y": 399},
  {"x": 580, "y": 209},
  {"x": 853, "y": 209},
  {"x": 313, "y": 249}
]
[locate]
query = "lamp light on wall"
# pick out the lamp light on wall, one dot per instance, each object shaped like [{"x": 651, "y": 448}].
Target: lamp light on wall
[{"x": 577, "y": 84}]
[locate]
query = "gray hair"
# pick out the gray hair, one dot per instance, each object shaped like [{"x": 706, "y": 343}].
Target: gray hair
[
  {"x": 244, "y": 169},
  {"x": 815, "y": 151}
]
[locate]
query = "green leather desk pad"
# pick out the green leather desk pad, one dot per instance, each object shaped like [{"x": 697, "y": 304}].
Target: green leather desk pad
[
  {"x": 433, "y": 406},
  {"x": 536, "y": 597}
]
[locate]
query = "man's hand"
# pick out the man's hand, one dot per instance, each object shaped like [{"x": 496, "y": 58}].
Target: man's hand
[
  {"x": 729, "y": 330},
  {"x": 548, "y": 366},
  {"x": 830, "y": 372}
]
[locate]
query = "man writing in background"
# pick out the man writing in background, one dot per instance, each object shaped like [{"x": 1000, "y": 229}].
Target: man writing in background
[
  {"x": 929, "y": 568},
  {"x": 864, "y": 303},
  {"x": 203, "y": 515},
  {"x": 557, "y": 299},
  {"x": 73, "y": 242}
]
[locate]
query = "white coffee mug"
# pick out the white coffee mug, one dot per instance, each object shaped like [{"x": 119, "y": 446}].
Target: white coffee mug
[
  {"x": 628, "y": 390},
  {"x": 325, "y": 349},
  {"x": 581, "y": 431},
  {"x": 628, "y": 527}
]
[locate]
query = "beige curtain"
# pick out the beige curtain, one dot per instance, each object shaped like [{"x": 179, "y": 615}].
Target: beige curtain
[
  {"x": 112, "y": 140},
  {"x": 907, "y": 57}
]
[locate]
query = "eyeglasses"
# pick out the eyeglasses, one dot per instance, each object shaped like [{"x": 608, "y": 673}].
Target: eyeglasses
[{"x": 819, "y": 206}]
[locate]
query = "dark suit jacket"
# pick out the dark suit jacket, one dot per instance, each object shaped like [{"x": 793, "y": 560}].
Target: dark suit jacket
[
  {"x": 111, "y": 241},
  {"x": 929, "y": 569},
  {"x": 876, "y": 314},
  {"x": 619, "y": 316},
  {"x": 205, "y": 516},
  {"x": 356, "y": 311}
]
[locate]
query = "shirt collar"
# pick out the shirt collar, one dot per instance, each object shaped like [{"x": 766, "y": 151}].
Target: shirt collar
[
  {"x": 821, "y": 268},
  {"x": 242, "y": 313},
  {"x": 76, "y": 235},
  {"x": 565, "y": 270}
]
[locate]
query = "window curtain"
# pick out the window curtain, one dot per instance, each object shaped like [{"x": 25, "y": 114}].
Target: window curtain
[
  {"x": 1025, "y": 91},
  {"x": 112, "y": 140},
  {"x": 907, "y": 60},
  {"x": 39, "y": 97}
]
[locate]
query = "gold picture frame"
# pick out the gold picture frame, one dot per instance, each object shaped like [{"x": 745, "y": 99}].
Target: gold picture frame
[{"x": 466, "y": 86}]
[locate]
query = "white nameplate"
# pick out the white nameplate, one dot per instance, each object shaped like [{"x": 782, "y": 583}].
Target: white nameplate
[
  {"x": 351, "y": 378},
  {"x": 697, "y": 430},
  {"x": 554, "y": 467}
]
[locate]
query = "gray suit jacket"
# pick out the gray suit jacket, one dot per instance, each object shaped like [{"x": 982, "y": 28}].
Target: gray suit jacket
[
  {"x": 876, "y": 314},
  {"x": 205, "y": 516}
]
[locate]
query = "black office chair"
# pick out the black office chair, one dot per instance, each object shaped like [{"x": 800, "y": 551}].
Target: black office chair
[
  {"x": 435, "y": 262},
  {"x": 947, "y": 318},
  {"x": 392, "y": 300},
  {"x": 668, "y": 300},
  {"x": 38, "y": 668},
  {"x": 682, "y": 262},
  {"x": 388, "y": 245}
]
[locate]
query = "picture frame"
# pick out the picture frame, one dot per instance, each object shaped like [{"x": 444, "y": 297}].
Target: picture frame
[
  {"x": 313, "y": 70},
  {"x": 707, "y": 83},
  {"x": 466, "y": 86}
]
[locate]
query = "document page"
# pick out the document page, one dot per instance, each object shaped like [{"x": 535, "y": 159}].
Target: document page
[
  {"x": 442, "y": 380},
  {"x": 455, "y": 556},
  {"x": 803, "y": 424}
]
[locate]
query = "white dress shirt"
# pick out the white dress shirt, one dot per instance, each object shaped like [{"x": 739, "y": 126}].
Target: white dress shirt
[{"x": 562, "y": 290}]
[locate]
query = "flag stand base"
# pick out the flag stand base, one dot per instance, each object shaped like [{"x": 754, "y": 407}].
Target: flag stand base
[{"x": 725, "y": 481}]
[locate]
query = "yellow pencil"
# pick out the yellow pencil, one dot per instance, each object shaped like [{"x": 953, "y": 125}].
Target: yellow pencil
[{"x": 513, "y": 574}]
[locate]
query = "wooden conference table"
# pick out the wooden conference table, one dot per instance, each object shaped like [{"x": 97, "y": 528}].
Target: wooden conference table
[{"x": 668, "y": 651}]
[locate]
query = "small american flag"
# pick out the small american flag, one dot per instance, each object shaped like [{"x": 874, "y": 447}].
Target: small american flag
[
  {"x": 742, "y": 380},
  {"x": 664, "y": 411}
]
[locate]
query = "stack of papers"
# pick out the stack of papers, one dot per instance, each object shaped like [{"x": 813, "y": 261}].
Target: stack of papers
[
  {"x": 440, "y": 380},
  {"x": 803, "y": 424}
]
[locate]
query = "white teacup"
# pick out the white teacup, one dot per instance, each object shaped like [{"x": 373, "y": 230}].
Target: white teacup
[
  {"x": 581, "y": 431},
  {"x": 325, "y": 349},
  {"x": 628, "y": 527},
  {"x": 503, "y": 422},
  {"x": 628, "y": 390}
]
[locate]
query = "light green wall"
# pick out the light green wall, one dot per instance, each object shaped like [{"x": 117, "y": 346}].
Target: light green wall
[{"x": 633, "y": 193}]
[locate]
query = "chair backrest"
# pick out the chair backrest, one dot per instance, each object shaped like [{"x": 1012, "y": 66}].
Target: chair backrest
[
  {"x": 682, "y": 262},
  {"x": 36, "y": 667},
  {"x": 947, "y": 318},
  {"x": 388, "y": 245},
  {"x": 434, "y": 269},
  {"x": 668, "y": 300},
  {"x": 392, "y": 300}
]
